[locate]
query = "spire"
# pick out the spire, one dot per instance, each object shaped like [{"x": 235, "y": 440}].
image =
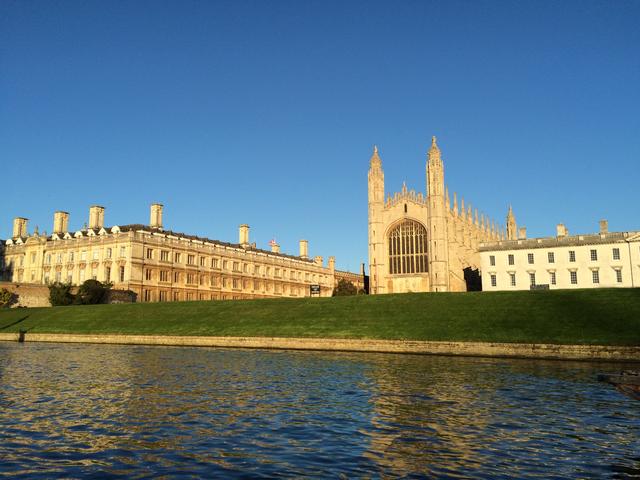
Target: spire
[
  {"x": 404, "y": 187},
  {"x": 446, "y": 198},
  {"x": 375, "y": 160},
  {"x": 455, "y": 204},
  {"x": 462, "y": 210},
  {"x": 434, "y": 152},
  {"x": 511, "y": 225}
]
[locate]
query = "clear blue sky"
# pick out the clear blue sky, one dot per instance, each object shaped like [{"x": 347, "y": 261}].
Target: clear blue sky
[{"x": 266, "y": 112}]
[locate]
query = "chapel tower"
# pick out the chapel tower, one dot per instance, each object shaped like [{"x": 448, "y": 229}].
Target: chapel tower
[
  {"x": 376, "y": 234},
  {"x": 437, "y": 221},
  {"x": 421, "y": 242}
]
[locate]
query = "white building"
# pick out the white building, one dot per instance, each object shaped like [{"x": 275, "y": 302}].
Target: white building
[{"x": 605, "y": 259}]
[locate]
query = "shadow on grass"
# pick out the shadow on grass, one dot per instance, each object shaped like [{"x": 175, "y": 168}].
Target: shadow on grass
[{"x": 14, "y": 323}]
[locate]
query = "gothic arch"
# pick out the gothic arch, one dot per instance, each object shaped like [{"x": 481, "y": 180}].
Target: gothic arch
[{"x": 407, "y": 247}]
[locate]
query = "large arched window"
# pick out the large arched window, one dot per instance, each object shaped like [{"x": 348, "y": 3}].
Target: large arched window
[{"x": 408, "y": 248}]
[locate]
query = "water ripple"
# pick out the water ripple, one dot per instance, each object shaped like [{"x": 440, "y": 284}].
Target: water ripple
[{"x": 82, "y": 411}]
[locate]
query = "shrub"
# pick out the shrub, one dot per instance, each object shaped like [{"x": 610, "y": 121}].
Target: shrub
[
  {"x": 91, "y": 292},
  {"x": 6, "y": 297},
  {"x": 344, "y": 288},
  {"x": 60, "y": 294}
]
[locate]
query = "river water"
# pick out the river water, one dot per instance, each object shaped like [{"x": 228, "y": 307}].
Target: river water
[{"x": 107, "y": 411}]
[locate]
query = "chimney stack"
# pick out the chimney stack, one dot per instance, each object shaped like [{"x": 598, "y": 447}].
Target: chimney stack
[
  {"x": 60, "y": 222},
  {"x": 523, "y": 233},
  {"x": 604, "y": 227},
  {"x": 96, "y": 217},
  {"x": 332, "y": 264},
  {"x": 243, "y": 233},
  {"x": 20, "y": 227},
  {"x": 275, "y": 248},
  {"x": 561, "y": 230},
  {"x": 155, "y": 220},
  {"x": 318, "y": 259},
  {"x": 304, "y": 249}
]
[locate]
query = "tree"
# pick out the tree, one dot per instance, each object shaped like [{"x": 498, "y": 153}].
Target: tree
[
  {"x": 344, "y": 287},
  {"x": 91, "y": 292},
  {"x": 60, "y": 294}
]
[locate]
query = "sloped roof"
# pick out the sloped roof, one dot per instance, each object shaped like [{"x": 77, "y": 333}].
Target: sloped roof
[
  {"x": 146, "y": 228},
  {"x": 554, "y": 242}
]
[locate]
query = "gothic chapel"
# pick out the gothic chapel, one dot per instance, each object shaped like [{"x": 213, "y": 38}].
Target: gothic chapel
[{"x": 422, "y": 243}]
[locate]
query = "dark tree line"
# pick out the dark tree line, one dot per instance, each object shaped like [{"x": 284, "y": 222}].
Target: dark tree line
[
  {"x": 91, "y": 292},
  {"x": 345, "y": 287}
]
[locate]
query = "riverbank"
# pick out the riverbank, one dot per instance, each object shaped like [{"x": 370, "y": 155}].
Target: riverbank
[
  {"x": 563, "y": 317},
  {"x": 472, "y": 349}
]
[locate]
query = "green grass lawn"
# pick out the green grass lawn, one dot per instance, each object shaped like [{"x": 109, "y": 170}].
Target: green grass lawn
[{"x": 599, "y": 316}]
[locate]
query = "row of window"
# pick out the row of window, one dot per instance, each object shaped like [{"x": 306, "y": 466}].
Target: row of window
[
  {"x": 195, "y": 279},
  {"x": 551, "y": 257},
  {"x": 237, "y": 267},
  {"x": 82, "y": 276},
  {"x": 573, "y": 278},
  {"x": 71, "y": 256},
  {"x": 165, "y": 296}
]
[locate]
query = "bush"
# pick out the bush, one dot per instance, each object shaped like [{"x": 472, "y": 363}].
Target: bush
[
  {"x": 60, "y": 294},
  {"x": 91, "y": 292},
  {"x": 344, "y": 288},
  {"x": 6, "y": 297}
]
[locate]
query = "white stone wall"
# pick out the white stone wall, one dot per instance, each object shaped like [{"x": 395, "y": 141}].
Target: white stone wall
[{"x": 628, "y": 264}]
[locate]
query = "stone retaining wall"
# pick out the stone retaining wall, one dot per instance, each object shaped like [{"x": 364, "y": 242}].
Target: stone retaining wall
[
  {"x": 28, "y": 295},
  {"x": 35, "y": 295},
  {"x": 508, "y": 350}
]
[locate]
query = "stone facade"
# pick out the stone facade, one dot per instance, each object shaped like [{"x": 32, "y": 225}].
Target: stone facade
[
  {"x": 422, "y": 242},
  {"x": 158, "y": 264},
  {"x": 604, "y": 259}
]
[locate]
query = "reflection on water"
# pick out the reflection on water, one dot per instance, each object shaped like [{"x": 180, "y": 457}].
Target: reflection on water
[{"x": 123, "y": 411}]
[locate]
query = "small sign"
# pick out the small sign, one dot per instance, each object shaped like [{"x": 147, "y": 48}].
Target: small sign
[
  {"x": 544, "y": 286},
  {"x": 314, "y": 289}
]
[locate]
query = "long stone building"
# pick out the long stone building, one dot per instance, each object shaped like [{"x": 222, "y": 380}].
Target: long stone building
[
  {"x": 422, "y": 242},
  {"x": 162, "y": 265},
  {"x": 594, "y": 260}
]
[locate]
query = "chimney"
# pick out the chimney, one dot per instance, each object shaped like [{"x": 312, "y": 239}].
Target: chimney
[
  {"x": 604, "y": 227},
  {"x": 362, "y": 271},
  {"x": 318, "y": 259},
  {"x": 60, "y": 222},
  {"x": 275, "y": 248},
  {"x": 155, "y": 220},
  {"x": 304, "y": 249},
  {"x": 522, "y": 235},
  {"x": 561, "y": 230},
  {"x": 96, "y": 217},
  {"x": 332, "y": 264},
  {"x": 243, "y": 233},
  {"x": 20, "y": 227}
]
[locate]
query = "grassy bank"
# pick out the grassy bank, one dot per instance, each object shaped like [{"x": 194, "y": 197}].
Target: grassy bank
[{"x": 602, "y": 316}]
